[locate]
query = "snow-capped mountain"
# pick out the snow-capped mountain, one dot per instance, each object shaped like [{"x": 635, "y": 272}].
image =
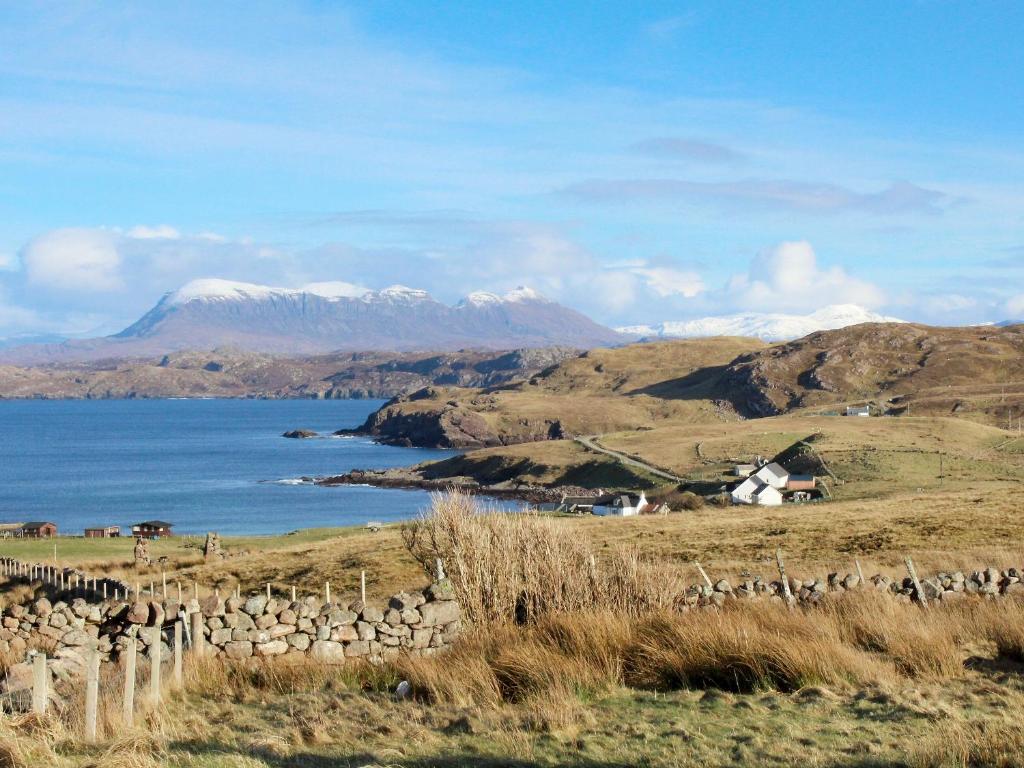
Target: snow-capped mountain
[
  {"x": 766, "y": 326},
  {"x": 322, "y": 317}
]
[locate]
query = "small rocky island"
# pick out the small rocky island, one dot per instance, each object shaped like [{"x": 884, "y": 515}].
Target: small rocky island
[{"x": 301, "y": 434}]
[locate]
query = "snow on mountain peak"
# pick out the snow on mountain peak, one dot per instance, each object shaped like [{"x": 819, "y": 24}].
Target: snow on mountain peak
[
  {"x": 765, "y": 326},
  {"x": 402, "y": 293},
  {"x": 481, "y": 299},
  {"x": 216, "y": 289},
  {"x": 335, "y": 289},
  {"x": 213, "y": 288},
  {"x": 523, "y": 293}
]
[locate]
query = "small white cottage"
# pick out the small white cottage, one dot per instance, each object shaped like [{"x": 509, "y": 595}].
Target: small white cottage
[
  {"x": 772, "y": 474},
  {"x": 754, "y": 490},
  {"x": 620, "y": 504}
]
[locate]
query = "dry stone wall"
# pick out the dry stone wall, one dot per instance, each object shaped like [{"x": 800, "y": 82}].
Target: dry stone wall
[
  {"x": 943, "y": 587},
  {"x": 238, "y": 628}
]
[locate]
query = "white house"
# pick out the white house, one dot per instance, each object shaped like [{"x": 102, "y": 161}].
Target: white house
[
  {"x": 767, "y": 496},
  {"x": 773, "y": 474},
  {"x": 754, "y": 490},
  {"x": 858, "y": 410},
  {"x": 620, "y": 504},
  {"x": 743, "y": 470}
]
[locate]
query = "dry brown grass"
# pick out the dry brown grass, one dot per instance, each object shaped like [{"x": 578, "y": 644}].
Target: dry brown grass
[
  {"x": 973, "y": 744},
  {"x": 524, "y": 566}
]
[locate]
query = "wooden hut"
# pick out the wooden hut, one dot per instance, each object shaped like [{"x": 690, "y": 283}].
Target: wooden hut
[
  {"x": 39, "y": 530},
  {"x": 106, "y": 532},
  {"x": 151, "y": 529}
]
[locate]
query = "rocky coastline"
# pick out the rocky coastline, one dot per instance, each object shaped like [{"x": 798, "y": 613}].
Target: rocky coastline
[{"x": 409, "y": 478}]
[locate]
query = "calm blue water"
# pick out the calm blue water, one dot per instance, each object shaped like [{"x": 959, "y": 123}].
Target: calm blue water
[{"x": 204, "y": 465}]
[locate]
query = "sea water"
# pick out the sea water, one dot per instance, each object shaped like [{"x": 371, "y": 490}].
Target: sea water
[{"x": 203, "y": 465}]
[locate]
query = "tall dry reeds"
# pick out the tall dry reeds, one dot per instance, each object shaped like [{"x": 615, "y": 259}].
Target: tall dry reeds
[{"x": 521, "y": 567}]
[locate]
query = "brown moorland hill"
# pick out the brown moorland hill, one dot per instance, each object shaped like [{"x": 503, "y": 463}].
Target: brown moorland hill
[
  {"x": 975, "y": 372},
  {"x": 639, "y": 386},
  {"x": 236, "y": 373}
]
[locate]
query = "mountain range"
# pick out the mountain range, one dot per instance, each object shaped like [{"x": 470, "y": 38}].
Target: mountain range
[
  {"x": 764, "y": 326},
  {"x": 210, "y": 314}
]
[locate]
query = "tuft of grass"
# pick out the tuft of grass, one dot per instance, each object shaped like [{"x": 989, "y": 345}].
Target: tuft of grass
[
  {"x": 973, "y": 744},
  {"x": 522, "y": 567}
]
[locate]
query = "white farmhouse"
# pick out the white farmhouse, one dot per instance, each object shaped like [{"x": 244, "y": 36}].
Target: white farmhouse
[
  {"x": 858, "y": 410},
  {"x": 754, "y": 490},
  {"x": 772, "y": 474},
  {"x": 767, "y": 496},
  {"x": 620, "y": 504}
]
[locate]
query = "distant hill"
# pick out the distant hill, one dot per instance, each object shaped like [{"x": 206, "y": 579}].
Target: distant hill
[
  {"x": 975, "y": 373},
  {"x": 765, "y": 326},
  {"x": 233, "y": 373},
  {"x": 325, "y": 317}
]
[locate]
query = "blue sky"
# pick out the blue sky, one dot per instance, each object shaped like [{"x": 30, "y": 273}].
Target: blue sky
[{"x": 640, "y": 162}]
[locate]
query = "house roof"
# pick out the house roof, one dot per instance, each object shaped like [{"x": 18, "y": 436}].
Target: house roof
[
  {"x": 618, "y": 500},
  {"x": 774, "y": 470},
  {"x": 153, "y": 524},
  {"x": 753, "y": 483},
  {"x": 38, "y": 525},
  {"x": 765, "y": 488},
  {"x": 101, "y": 527},
  {"x": 579, "y": 501}
]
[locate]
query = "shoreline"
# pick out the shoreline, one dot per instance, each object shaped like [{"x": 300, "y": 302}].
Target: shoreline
[{"x": 406, "y": 479}]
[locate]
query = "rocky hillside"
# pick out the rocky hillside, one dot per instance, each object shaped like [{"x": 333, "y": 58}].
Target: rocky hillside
[
  {"x": 230, "y": 373},
  {"x": 635, "y": 387},
  {"x": 976, "y": 372}
]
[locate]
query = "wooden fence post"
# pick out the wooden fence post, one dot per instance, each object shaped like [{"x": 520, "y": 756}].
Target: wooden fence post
[
  {"x": 128, "y": 701},
  {"x": 704, "y": 575},
  {"x": 177, "y": 653},
  {"x": 155, "y": 647},
  {"x": 179, "y": 592},
  {"x": 40, "y": 694},
  {"x": 268, "y": 591},
  {"x": 362, "y": 586},
  {"x": 860, "y": 573},
  {"x": 92, "y": 693},
  {"x": 198, "y": 637},
  {"x": 917, "y": 583},
  {"x": 327, "y": 591},
  {"x": 785, "y": 580},
  {"x": 293, "y": 593},
  {"x": 163, "y": 575}
]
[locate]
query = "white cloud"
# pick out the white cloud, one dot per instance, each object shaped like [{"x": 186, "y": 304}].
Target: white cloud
[
  {"x": 1015, "y": 307},
  {"x": 788, "y": 276},
  {"x": 7, "y": 261},
  {"x": 74, "y": 260},
  {"x": 159, "y": 232},
  {"x": 666, "y": 281}
]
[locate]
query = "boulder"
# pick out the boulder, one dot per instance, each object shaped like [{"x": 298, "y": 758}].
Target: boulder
[
  {"x": 238, "y": 649},
  {"x": 357, "y": 648},
  {"x": 328, "y": 651},
  {"x": 300, "y": 434},
  {"x": 273, "y": 648},
  {"x": 344, "y": 632},
  {"x": 439, "y": 612},
  {"x": 371, "y": 614},
  {"x": 255, "y": 605},
  {"x": 211, "y": 605}
]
